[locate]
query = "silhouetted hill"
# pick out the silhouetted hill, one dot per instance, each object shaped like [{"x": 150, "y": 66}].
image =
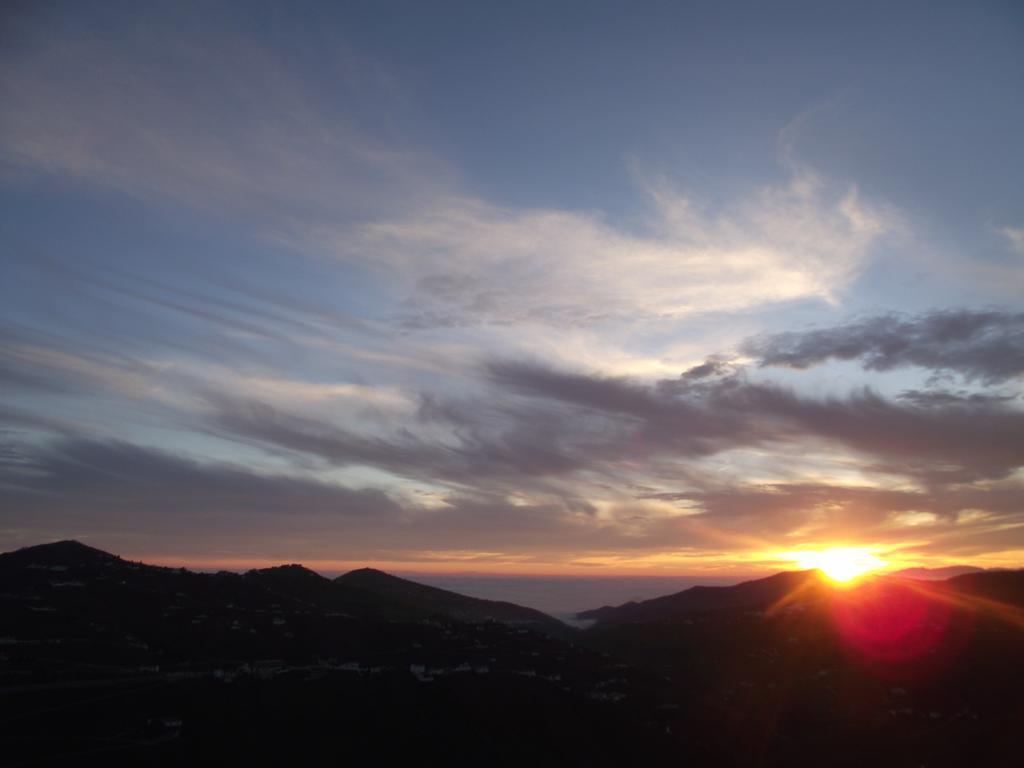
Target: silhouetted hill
[
  {"x": 936, "y": 574},
  {"x": 749, "y": 595},
  {"x": 424, "y": 600},
  {"x": 1004, "y": 586},
  {"x": 362, "y": 594},
  {"x": 760, "y": 594},
  {"x": 295, "y": 582},
  {"x": 886, "y": 671},
  {"x": 104, "y": 661},
  {"x": 65, "y": 553}
]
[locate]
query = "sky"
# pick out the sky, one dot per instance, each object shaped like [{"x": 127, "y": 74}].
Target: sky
[{"x": 522, "y": 288}]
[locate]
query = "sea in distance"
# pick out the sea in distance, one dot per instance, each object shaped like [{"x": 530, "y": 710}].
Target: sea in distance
[{"x": 564, "y": 596}]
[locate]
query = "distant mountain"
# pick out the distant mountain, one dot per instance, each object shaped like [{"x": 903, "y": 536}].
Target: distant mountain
[
  {"x": 59, "y": 555},
  {"x": 749, "y": 595},
  {"x": 104, "y": 661},
  {"x": 936, "y": 574},
  {"x": 419, "y": 598},
  {"x": 297, "y": 583},
  {"x": 1002, "y": 586},
  {"x": 362, "y": 594}
]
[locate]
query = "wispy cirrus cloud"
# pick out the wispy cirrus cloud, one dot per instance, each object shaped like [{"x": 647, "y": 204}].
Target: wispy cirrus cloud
[
  {"x": 315, "y": 362},
  {"x": 237, "y": 130},
  {"x": 192, "y": 108},
  {"x": 172, "y": 498},
  {"x": 1014, "y": 237},
  {"x": 517, "y": 452},
  {"x": 155, "y": 501},
  {"x": 470, "y": 263},
  {"x": 541, "y": 430}
]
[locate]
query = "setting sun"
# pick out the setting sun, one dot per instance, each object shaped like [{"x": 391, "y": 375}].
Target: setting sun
[{"x": 840, "y": 564}]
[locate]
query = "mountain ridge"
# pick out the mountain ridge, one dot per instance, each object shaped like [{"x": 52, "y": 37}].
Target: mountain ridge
[
  {"x": 450, "y": 603},
  {"x": 1005, "y": 586},
  {"x": 363, "y": 592},
  {"x": 749, "y": 595},
  {"x": 936, "y": 574},
  {"x": 170, "y": 667}
]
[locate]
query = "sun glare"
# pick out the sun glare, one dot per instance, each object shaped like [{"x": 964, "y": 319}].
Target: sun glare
[{"x": 841, "y": 564}]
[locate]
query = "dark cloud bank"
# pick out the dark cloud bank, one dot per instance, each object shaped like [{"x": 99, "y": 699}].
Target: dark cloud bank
[
  {"x": 967, "y": 440},
  {"x": 980, "y": 346},
  {"x": 557, "y": 436}
]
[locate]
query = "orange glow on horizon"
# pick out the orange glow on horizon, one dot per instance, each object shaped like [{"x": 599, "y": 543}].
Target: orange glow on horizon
[
  {"x": 739, "y": 570},
  {"x": 842, "y": 565}
]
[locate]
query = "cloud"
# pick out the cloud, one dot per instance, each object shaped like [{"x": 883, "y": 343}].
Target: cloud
[
  {"x": 511, "y": 451},
  {"x": 710, "y": 367},
  {"x": 466, "y": 262},
  {"x": 541, "y": 431},
  {"x": 314, "y": 160},
  {"x": 133, "y": 499},
  {"x": 197, "y": 108},
  {"x": 154, "y": 501},
  {"x": 494, "y": 508},
  {"x": 658, "y": 420},
  {"x": 944, "y": 398},
  {"x": 1015, "y": 238},
  {"x": 77, "y": 484},
  {"x": 254, "y": 358},
  {"x": 19, "y": 418},
  {"x": 987, "y": 346},
  {"x": 983, "y": 516},
  {"x": 970, "y": 440},
  {"x": 537, "y": 460},
  {"x": 37, "y": 362}
]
